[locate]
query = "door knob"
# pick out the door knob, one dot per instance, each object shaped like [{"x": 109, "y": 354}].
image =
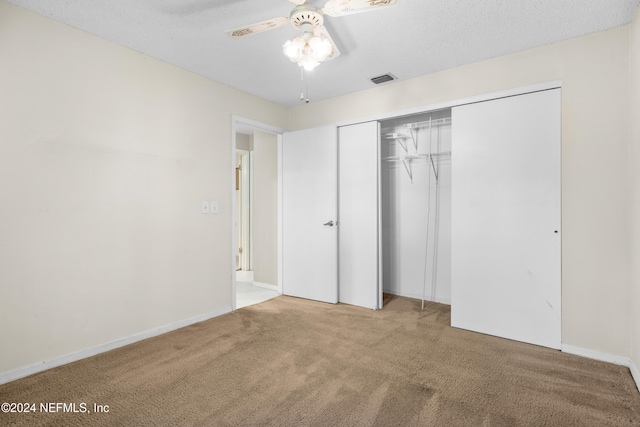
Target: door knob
[{"x": 329, "y": 224}]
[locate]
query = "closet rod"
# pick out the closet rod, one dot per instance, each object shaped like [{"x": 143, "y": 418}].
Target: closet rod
[
  {"x": 430, "y": 123},
  {"x": 391, "y": 133},
  {"x": 417, "y": 156}
]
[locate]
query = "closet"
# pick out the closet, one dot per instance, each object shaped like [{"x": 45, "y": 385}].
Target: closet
[
  {"x": 416, "y": 206},
  {"x": 459, "y": 205}
]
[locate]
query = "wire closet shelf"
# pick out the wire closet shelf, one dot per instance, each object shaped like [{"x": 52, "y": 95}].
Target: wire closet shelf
[{"x": 403, "y": 139}]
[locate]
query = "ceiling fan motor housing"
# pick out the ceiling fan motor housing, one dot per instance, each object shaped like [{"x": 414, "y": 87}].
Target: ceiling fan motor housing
[{"x": 305, "y": 14}]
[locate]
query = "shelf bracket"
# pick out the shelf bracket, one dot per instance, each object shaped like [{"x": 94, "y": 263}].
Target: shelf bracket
[{"x": 407, "y": 165}]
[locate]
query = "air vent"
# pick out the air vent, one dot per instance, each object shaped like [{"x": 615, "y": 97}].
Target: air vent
[{"x": 383, "y": 78}]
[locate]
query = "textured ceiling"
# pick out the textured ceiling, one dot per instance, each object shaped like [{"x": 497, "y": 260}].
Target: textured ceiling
[{"x": 412, "y": 38}]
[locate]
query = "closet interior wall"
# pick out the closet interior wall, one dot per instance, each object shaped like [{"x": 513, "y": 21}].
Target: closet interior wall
[{"x": 416, "y": 206}]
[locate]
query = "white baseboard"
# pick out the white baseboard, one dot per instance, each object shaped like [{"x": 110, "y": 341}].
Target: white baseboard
[
  {"x": 265, "y": 286},
  {"x": 25, "y": 371},
  {"x": 605, "y": 357},
  {"x": 635, "y": 373},
  {"x": 596, "y": 355},
  {"x": 414, "y": 296}
]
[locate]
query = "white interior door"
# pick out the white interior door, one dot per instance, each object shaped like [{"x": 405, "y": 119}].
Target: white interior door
[
  {"x": 358, "y": 215},
  {"x": 309, "y": 214},
  {"x": 506, "y": 218}
]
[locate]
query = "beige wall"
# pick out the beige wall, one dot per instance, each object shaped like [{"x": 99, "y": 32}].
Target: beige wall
[
  {"x": 634, "y": 164},
  {"x": 105, "y": 156},
  {"x": 265, "y": 208},
  {"x": 594, "y": 74}
]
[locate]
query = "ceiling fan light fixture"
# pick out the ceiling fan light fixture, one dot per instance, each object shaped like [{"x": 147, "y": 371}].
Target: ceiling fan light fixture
[
  {"x": 293, "y": 49},
  {"x": 320, "y": 48},
  {"x": 307, "y": 52},
  {"x": 308, "y": 63},
  {"x": 314, "y": 43}
]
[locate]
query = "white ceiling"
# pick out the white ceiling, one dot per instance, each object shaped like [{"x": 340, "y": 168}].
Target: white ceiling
[{"x": 412, "y": 38}]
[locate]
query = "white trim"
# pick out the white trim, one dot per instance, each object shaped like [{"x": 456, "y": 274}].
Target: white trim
[
  {"x": 256, "y": 125},
  {"x": 605, "y": 357},
  {"x": 457, "y": 102},
  {"x": 34, "y": 368},
  {"x": 596, "y": 355},
  {"x": 265, "y": 286},
  {"x": 380, "y": 289},
  {"x": 635, "y": 373},
  {"x": 251, "y": 214},
  {"x": 234, "y": 234},
  {"x": 280, "y": 224}
]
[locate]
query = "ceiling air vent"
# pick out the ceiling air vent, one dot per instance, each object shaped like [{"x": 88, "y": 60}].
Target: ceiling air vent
[{"x": 383, "y": 78}]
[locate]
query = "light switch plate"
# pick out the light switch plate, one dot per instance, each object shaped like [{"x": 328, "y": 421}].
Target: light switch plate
[
  {"x": 214, "y": 207},
  {"x": 205, "y": 207}
]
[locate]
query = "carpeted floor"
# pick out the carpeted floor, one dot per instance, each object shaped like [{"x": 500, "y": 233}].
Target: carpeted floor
[{"x": 292, "y": 362}]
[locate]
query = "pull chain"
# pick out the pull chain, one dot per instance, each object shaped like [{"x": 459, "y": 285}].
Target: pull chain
[{"x": 304, "y": 87}]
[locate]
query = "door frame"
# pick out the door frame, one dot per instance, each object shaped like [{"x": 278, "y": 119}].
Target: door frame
[{"x": 239, "y": 122}]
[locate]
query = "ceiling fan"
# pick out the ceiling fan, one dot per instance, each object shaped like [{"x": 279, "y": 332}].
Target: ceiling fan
[{"x": 314, "y": 44}]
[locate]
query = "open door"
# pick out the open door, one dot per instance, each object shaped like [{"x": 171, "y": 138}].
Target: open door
[{"x": 309, "y": 214}]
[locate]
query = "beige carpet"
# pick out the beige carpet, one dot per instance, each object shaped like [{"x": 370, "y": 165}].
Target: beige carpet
[{"x": 292, "y": 362}]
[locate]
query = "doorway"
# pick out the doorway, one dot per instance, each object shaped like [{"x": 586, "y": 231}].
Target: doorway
[{"x": 256, "y": 223}]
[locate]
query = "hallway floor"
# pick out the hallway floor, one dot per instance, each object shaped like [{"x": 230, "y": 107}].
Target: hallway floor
[{"x": 248, "y": 294}]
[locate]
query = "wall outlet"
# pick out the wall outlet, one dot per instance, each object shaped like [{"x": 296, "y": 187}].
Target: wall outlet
[{"x": 205, "y": 207}]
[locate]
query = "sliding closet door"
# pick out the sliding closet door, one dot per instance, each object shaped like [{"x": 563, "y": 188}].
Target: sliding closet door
[
  {"x": 358, "y": 215},
  {"x": 309, "y": 214},
  {"x": 506, "y": 218}
]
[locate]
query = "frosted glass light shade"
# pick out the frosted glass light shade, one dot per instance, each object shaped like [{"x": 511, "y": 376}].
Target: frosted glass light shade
[
  {"x": 308, "y": 63},
  {"x": 292, "y": 49},
  {"x": 307, "y": 53},
  {"x": 320, "y": 48}
]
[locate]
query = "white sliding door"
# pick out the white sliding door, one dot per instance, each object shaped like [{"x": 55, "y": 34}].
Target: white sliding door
[
  {"x": 358, "y": 177},
  {"x": 506, "y": 218},
  {"x": 309, "y": 214}
]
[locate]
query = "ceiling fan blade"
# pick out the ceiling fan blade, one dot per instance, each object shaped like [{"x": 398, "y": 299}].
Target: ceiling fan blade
[
  {"x": 321, "y": 31},
  {"x": 258, "y": 27},
  {"x": 348, "y": 7}
]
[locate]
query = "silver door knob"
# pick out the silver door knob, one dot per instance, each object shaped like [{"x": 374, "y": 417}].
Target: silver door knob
[{"x": 329, "y": 224}]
